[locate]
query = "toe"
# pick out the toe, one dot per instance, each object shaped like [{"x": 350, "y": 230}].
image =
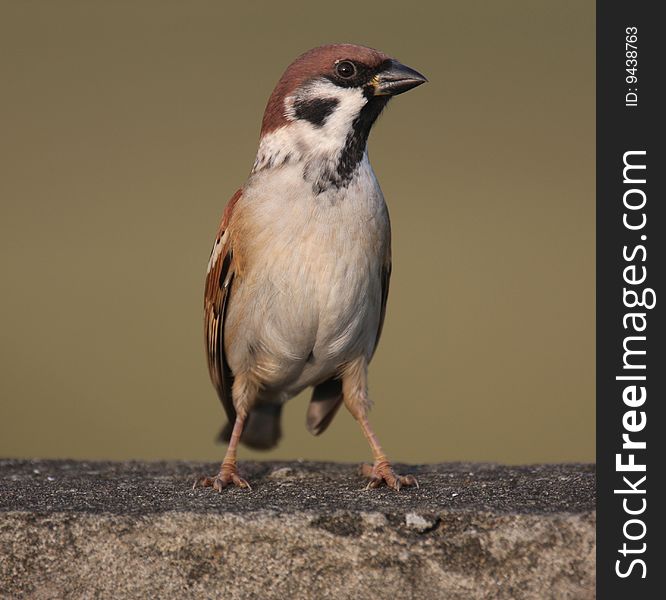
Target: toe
[
  {"x": 203, "y": 482},
  {"x": 392, "y": 481},
  {"x": 409, "y": 480},
  {"x": 374, "y": 482},
  {"x": 219, "y": 484},
  {"x": 240, "y": 482}
]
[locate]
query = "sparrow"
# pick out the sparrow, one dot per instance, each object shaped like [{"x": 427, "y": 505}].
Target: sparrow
[{"x": 298, "y": 276}]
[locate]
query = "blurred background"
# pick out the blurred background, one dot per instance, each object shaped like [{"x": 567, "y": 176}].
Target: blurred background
[{"x": 126, "y": 126}]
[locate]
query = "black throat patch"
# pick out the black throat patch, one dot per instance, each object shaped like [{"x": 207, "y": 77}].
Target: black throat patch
[
  {"x": 315, "y": 110},
  {"x": 357, "y": 139},
  {"x": 352, "y": 152}
]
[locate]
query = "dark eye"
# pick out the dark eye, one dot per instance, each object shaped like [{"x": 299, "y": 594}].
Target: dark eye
[{"x": 345, "y": 69}]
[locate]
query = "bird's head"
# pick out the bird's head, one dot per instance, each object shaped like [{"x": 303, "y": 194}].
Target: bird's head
[{"x": 324, "y": 105}]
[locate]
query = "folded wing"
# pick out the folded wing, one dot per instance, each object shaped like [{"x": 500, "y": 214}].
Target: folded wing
[{"x": 219, "y": 282}]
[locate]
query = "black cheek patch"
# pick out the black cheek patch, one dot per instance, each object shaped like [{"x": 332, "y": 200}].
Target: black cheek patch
[{"x": 315, "y": 110}]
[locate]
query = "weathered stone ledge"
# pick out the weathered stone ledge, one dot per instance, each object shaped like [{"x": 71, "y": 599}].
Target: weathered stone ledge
[{"x": 73, "y": 529}]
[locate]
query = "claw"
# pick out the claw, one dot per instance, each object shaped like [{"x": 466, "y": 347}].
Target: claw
[
  {"x": 381, "y": 472},
  {"x": 240, "y": 482},
  {"x": 224, "y": 478},
  {"x": 202, "y": 481},
  {"x": 374, "y": 483},
  {"x": 410, "y": 480}
]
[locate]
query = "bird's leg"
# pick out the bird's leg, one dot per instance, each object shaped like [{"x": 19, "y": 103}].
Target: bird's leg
[
  {"x": 228, "y": 471},
  {"x": 244, "y": 394},
  {"x": 381, "y": 471},
  {"x": 355, "y": 393}
]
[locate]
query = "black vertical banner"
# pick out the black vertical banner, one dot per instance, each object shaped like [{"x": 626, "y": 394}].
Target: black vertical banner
[{"x": 631, "y": 300}]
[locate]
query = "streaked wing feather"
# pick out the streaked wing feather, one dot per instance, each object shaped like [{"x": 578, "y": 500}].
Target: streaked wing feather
[{"x": 219, "y": 281}]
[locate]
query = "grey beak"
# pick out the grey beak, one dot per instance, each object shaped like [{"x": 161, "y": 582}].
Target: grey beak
[{"x": 396, "y": 79}]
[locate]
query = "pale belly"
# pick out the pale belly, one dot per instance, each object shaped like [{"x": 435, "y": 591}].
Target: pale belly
[{"x": 310, "y": 298}]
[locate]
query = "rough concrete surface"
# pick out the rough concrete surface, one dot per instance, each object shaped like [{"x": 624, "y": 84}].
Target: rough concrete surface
[{"x": 306, "y": 530}]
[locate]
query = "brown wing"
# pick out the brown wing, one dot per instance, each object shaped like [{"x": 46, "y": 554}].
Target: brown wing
[
  {"x": 327, "y": 396},
  {"x": 219, "y": 280}
]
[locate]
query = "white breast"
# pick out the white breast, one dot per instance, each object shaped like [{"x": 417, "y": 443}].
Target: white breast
[{"x": 310, "y": 296}]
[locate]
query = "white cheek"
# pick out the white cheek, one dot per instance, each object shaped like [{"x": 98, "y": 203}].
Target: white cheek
[
  {"x": 300, "y": 140},
  {"x": 331, "y": 136},
  {"x": 351, "y": 101}
]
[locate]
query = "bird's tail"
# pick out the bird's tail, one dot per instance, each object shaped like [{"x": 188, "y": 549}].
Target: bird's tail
[{"x": 262, "y": 429}]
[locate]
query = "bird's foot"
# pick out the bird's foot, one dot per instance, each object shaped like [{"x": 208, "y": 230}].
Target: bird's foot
[
  {"x": 381, "y": 472},
  {"x": 228, "y": 475}
]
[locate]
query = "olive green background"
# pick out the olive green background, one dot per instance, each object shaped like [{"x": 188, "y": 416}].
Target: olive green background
[{"x": 126, "y": 126}]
